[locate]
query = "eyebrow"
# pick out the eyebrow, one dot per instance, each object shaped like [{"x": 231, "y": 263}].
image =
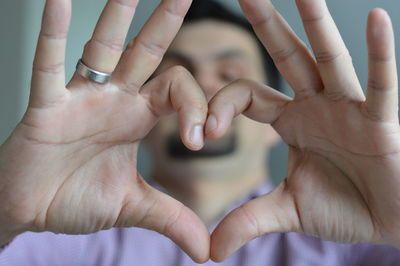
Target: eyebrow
[
  {"x": 229, "y": 54},
  {"x": 233, "y": 53}
]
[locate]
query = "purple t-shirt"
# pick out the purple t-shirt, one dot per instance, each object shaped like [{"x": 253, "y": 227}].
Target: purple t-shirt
[{"x": 135, "y": 246}]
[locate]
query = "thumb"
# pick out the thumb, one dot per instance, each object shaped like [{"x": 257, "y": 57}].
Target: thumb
[
  {"x": 271, "y": 213},
  {"x": 159, "y": 212}
]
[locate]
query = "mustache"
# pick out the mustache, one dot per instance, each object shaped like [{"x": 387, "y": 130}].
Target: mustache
[{"x": 212, "y": 148}]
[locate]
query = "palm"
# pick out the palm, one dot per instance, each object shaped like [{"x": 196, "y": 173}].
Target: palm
[
  {"x": 100, "y": 114},
  {"x": 335, "y": 151},
  {"x": 92, "y": 139}
]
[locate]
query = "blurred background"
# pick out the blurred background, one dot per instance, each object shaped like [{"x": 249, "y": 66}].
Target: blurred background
[{"x": 20, "y": 25}]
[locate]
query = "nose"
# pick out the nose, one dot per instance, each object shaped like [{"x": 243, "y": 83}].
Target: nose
[{"x": 208, "y": 81}]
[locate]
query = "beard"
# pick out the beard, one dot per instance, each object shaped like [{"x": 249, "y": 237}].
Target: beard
[{"x": 224, "y": 146}]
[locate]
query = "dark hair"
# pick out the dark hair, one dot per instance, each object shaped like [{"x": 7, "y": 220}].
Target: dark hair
[{"x": 209, "y": 9}]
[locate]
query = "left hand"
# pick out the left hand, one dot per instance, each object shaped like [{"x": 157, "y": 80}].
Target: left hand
[{"x": 343, "y": 179}]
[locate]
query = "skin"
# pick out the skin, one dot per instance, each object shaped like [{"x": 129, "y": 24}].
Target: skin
[
  {"x": 78, "y": 142},
  {"x": 216, "y": 53}
]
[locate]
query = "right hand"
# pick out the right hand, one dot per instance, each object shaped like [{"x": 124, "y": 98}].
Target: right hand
[{"x": 70, "y": 164}]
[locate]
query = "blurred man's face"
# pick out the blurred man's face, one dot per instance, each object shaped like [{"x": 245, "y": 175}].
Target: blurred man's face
[{"x": 216, "y": 54}]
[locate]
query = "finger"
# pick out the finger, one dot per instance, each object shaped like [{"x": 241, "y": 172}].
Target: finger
[
  {"x": 256, "y": 101},
  {"x": 104, "y": 50},
  {"x": 272, "y": 213},
  {"x": 177, "y": 90},
  {"x": 382, "y": 95},
  {"x": 48, "y": 79},
  {"x": 333, "y": 59},
  {"x": 146, "y": 51},
  {"x": 285, "y": 48},
  {"x": 159, "y": 212}
]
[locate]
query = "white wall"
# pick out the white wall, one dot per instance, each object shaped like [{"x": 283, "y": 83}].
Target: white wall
[{"x": 11, "y": 54}]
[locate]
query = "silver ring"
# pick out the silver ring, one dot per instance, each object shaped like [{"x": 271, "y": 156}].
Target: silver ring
[{"x": 91, "y": 74}]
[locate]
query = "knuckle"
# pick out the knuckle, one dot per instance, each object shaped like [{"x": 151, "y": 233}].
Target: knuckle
[
  {"x": 244, "y": 84},
  {"x": 251, "y": 220},
  {"x": 263, "y": 20},
  {"x": 127, "y": 3},
  {"x": 52, "y": 69},
  {"x": 335, "y": 95},
  {"x": 54, "y": 35},
  {"x": 324, "y": 57},
  {"x": 194, "y": 106},
  {"x": 379, "y": 58},
  {"x": 380, "y": 88},
  {"x": 179, "y": 71},
  {"x": 283, "y": 55},
  {"x": 313, "y": 19},
  {"x": 374, "y": 84},
  {"x": 175, "y": 13},
  {"x": 151, "y": 48},
  {"x": 172, "y": 220},
  {"x": 371, "y": 114},
  {"x": 200, "y": 106},
  {"x": 112, "y": 45},
  {"x": 256, "y": 17}
]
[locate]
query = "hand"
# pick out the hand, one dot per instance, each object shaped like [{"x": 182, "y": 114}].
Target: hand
[
  {"x": 343, "y": 180},
  {"x": 70, "y": 165}
]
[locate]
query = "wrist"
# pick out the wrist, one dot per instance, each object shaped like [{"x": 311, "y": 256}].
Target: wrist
[
  {"x": 8, "y": 228},
  {"x": 6, "y": 238}
]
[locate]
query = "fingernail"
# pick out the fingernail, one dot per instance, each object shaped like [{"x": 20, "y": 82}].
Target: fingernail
[
  {"x": 211, "y": 124},
  {"x": 196, "y": 135}
]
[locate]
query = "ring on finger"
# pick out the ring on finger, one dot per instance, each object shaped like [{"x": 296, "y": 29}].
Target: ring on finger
[{"x": 91, "y": 74}]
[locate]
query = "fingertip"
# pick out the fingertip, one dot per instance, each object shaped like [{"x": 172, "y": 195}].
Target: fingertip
[
  {"x": 224, "y": 242},
  {"x": 211, "y": 126},
  {"x": 380, "y": 35},
  {"x": 379, "y": 19},
  {"x": 216, "y": 127},
  {"x": 190, "y": 233},
  {"x": 56, "y": 16},
  {"x": 167, "y": 216},
  {"x": 217, "y": 254},
  {"x": 379, "y": 13},
  {"x": 195, "y": 138},
  {"x": 234, "y": 231}
]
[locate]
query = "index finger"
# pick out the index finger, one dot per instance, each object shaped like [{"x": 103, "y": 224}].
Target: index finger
[
  {"x": 382, "y": 93},
  {"x": 334, "y": 61},
  {"x": 146, "y": 51},
  {"x": 48, "y": 79},
  {"x": 285, "y": 48}
]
